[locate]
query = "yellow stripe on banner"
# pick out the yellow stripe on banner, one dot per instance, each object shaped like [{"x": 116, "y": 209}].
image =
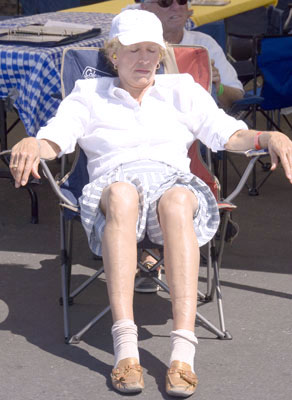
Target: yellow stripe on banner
[
  {"x": 201, "y": 14},
  {"x": 111, "y": 7},
  {"x": 206, "y": 14}
]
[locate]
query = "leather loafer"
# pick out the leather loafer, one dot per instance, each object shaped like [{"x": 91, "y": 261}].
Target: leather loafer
[
  {"x": 128, "y": 376},
  {"x": 180, "y": 380}
]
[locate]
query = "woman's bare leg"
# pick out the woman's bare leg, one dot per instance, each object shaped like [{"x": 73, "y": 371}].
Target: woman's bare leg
[
  {"x": 181, "y": 253},
  {"x": 119, "y": 202}
]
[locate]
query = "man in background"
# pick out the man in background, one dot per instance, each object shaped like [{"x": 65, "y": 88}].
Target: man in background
[{"x": 173, "y": 19}]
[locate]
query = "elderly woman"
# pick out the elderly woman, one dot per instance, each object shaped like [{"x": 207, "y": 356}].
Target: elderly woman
[{"x": 136, "y": 130}]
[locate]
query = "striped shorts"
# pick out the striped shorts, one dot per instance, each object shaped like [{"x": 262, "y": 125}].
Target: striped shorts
[{"x": 151, "y": 179}]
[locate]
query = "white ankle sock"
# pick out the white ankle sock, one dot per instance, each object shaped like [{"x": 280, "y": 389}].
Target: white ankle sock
[
  {"x": 183, "y": 346},
  {"x": 125, "y": 337}
]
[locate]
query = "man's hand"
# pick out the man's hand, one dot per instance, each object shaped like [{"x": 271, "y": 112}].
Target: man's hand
[{"x": 216, "y": 79}]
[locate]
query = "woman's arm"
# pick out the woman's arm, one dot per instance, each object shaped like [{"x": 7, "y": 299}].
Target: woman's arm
[
  {"x": 25, "y": 158},
  {"x": 61, "y": 132},
  {"x": 278, "y": 144}
]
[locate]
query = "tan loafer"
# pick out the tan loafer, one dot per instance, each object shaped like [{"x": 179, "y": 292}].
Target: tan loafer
[
  {"x": 128, "y": 376},
  {"x": 180, "y": 380}
]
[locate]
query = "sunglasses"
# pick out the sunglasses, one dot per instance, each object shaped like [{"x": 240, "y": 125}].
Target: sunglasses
[{"x": 164, "y": 3}]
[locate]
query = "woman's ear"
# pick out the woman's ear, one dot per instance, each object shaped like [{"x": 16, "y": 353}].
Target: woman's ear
[{"x": 113, "y": 57}]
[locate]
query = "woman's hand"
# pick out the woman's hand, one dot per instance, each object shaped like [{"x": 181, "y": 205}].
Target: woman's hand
[
  {"x": 280, "y": 146},
  {"x": 25, "y": 158}
]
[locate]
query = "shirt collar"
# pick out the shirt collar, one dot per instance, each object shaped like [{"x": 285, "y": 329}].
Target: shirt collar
[{"x": 158, "y": 90}]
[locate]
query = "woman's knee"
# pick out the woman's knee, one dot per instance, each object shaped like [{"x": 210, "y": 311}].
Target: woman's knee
[
  {"x": 120, "y": 199},
  {"x": 178, "y": 203}
]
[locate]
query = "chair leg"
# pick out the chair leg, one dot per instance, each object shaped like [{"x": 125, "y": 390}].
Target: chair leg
[
  {"x": 65, "y": 277},
  {"x": 222, "y": 333},
  {"x": 5, "y": 174},
  {"x": 208, "y": 296},
  {"x": 34, "y": 205},
  {"x": 75, "y": 339},
  {"x": 69, "y": 237},
  {"x": 3, "y": 127},
  {"x": 227, "y": 335},
  {"x": 254, "y": 189},
  {"x": 286, "y": 119},
  {"x": 66, "y": 236},
  {"x": 65, "y": 301},
  {"x": 215, "y": 260}
]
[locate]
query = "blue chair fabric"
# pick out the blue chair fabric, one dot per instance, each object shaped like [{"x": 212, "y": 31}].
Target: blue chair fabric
[
  {"x": 275, "y": 64},
  {"x": 216, "y": 30}
]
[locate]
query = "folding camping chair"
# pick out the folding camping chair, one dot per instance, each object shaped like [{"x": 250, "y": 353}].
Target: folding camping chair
[
  {"x": 272, "y": 60},
  {"x": 241, "y": 29},
  {"x": 88, "y": 63}
]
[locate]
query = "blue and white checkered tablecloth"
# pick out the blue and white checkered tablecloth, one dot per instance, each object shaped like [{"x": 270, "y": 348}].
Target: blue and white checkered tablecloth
[{"x": 34, "y": 72}]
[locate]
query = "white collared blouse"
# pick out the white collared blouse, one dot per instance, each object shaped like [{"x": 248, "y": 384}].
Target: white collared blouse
[{"x": 112, "y": 128}]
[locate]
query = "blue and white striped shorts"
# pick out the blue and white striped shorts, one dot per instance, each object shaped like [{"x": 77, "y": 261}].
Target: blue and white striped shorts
[{"x": 151, "y": 180}]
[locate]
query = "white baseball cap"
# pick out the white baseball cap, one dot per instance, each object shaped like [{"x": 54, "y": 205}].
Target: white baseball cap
[{"x": 136, "y": 26}]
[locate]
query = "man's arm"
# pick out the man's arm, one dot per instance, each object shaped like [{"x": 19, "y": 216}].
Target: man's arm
[{"x": 226, "y": 95}]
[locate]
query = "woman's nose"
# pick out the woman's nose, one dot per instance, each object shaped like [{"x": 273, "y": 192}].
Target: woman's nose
[{"x": 144, "y": 57}]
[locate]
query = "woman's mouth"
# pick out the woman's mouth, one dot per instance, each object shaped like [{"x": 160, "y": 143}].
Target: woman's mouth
[{"x": 142, "y": 71}]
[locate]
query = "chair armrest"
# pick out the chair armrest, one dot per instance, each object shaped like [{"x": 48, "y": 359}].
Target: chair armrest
[
  {"x": 250, "y": 153},
  {"x": 54, "y": 185},
  {"x": 253, "y": 155},
  {"x": 51, "y": 180},
  {"x": 245, "y": 103},
  {"x": 5, "y": 153},
  {"x": 4, "y": 157}
]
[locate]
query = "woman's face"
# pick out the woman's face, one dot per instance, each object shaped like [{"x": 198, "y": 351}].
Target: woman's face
[{"x": 136, "y": 65}]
